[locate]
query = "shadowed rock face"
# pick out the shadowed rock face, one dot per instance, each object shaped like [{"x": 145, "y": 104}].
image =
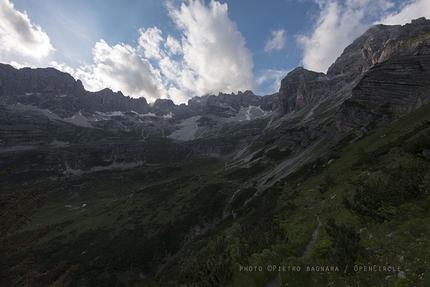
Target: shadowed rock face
[
  {"x": 302, "y": 87},
  {"x": 59, "y": 92},
  {"x": 386, "y": 72},
  {"x": 393, "y": 87},
  {"x": 26, "y": 80},
  {"x": 375, "y": 46},
  {"x": 364, "y": 52}
]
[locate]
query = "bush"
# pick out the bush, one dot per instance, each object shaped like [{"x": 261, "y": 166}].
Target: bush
[
  {"x": 380, "y": 198},
  {"x": 345, "y": 244}
]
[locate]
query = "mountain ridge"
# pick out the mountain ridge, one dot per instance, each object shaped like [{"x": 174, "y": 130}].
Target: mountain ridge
[
  {"x": 327, "y": 105},
  {"x": 299, "y": 89}
]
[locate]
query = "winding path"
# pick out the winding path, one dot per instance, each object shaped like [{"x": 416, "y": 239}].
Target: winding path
[
  {"x": 275, "y": 281},
  {"x": 314, "y": 238}
]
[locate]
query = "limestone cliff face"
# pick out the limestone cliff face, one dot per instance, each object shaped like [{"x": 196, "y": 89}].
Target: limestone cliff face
[
  {"x": 383, "y": 74},
  {"x": 300, "y": 88},
  {"x": 375, "y": 46},
  {"x": 108, "y": 101},
  {"x": 389, "y": 91},
  {"x": 364, "y": 52},
  {"x": 60, "y": 93},
  {"x": 395, "y": 85},
  {"x": 26, "y": 80}
]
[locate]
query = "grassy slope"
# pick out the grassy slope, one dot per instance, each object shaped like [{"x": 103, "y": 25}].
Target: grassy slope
[
  {"x": 294, "y": 204},
  {"x": 150, "y": 225}
]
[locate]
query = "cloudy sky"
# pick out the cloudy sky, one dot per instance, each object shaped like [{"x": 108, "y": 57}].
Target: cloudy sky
[{"x": 179, "y": 49}]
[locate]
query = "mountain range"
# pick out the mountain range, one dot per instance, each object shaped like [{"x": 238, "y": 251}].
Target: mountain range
[{"x": 160, "y": 194}]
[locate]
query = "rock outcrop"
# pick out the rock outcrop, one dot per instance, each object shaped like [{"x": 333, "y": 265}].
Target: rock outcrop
[
  {"x": 302, "y": 88},
  {"x": 60, "y": 93},
  {"x": 396, "y": 84},
  {"x": 46, "y": 81},
  {"x": 376, "y": 45}
]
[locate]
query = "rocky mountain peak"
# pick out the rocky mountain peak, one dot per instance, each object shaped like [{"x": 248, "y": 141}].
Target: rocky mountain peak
[
  {"x": 301, "y": 87},
  {"x": 60, "y": 93},
  {"x": 40, "y": 80},
  {"x": 396, "y": 84},
  {"x": 376, "y": 45}
]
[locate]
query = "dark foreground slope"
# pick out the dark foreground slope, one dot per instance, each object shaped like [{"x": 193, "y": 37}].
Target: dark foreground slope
[{"x": 333, "y": 189}]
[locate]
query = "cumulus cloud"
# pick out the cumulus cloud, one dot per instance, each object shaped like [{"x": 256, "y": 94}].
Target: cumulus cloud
[
  {"x": 178, "y": 96},
  {"x": 215, "y": 58},
  {"x": 337, "y": 26},
  {"x": 210, "y": 57},
  {"x": 172, "y": 45},
  {"x": 410, "y": 10},
  {"x": 121, "y": 67},
  {"x": 62, "y": 67},
  {"x": 19, "y": 36},
  {"x": 150, "y": 40},
  {"x": 277, "y": 42}
]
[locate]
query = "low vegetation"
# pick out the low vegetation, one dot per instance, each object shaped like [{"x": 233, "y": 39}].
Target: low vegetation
[{"x": 356, "y": 205}]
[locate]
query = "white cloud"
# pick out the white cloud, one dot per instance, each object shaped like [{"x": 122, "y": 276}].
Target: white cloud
[
  {"x": 337, "y": 26},
  {"x": 19, "y": 36},
  {"x": 210, "y": 58},
  {"x": 150, "y": 40},
  {"x": 173, "y": 46},
  {"x": 178, "y": 96},
  {"x": 215, "y": 58},
  {"x": 121, "y": 68},
  {"x": 277, "y": 42},
  {"x": 62, "y": 67},
  {"x": 410, "y": 10},
  {"x": 270, "y": 80},
  {"x": 170, "y": 69}
]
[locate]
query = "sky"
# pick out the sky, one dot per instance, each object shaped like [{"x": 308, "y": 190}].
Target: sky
[{"x": 178, "y": 49}]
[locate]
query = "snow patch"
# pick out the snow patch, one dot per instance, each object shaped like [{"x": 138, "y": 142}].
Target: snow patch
[
  {"x": 111, "y": 114},
  {"x": 149, "y": 115},
  {"x": 187, "y": 130},
  {"x": 79, "y": 120},
  {"x": 249, "y": 113},
  {"x": 168, "y": 116}
]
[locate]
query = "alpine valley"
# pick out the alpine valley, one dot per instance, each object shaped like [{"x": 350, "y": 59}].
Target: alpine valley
[{"x": 325, "y": 183}]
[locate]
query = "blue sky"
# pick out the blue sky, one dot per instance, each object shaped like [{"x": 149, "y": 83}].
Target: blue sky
[{"x": 179, "y": 49}]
